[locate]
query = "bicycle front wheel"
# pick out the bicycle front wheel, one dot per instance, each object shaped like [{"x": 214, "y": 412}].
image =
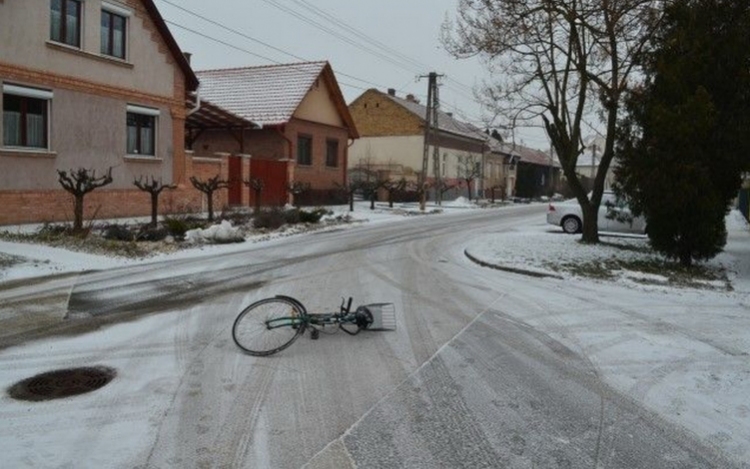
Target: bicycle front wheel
[{"x": 268, "y": 326}]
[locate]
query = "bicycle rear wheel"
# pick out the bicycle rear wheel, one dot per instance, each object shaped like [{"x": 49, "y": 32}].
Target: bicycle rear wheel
[{"x": 267, "y": 326}]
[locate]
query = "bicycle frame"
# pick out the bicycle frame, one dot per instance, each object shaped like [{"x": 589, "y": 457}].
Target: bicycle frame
[{"x": 344, "y": 316}]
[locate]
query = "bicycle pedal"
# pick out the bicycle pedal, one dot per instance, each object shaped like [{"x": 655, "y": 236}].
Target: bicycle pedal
[{"x": 314, "y": 334}]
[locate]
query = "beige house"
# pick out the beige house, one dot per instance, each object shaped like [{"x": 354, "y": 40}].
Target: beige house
[
  {"x": 90, "y": 84},
  {"x": 392, "y": 142}
]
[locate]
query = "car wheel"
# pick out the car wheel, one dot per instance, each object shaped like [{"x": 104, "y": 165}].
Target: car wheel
[{"x": 571, "y": 225}]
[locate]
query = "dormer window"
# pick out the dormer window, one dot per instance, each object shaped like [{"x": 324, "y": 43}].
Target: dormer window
[{"x": 65, "y": 22}]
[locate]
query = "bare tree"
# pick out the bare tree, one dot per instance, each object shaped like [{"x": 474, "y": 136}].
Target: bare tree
[
  {"x": 562, "y": 61},
  {"x": 393, "y": 187},
  {"x": 80, "y": 182},
  {"x": 154, "y": 188},
  {"x": 469, "y": 169},
  {"x": 208, "y": 187},
  {"x": 297, "y": 188},
  {"x": 257, "y": 185}
]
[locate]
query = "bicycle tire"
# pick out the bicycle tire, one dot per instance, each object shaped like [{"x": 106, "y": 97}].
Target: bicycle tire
[{"x": 250, "y": 331}]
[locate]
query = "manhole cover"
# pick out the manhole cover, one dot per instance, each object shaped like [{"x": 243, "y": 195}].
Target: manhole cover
[{"x": 62, "y": 383}]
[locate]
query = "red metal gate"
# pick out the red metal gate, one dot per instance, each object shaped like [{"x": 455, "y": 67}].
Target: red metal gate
[{"x": 274, "y": 176}]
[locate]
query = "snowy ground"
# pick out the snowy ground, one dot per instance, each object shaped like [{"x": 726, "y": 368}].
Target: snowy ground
[
  {"x": 23, "y": 260},
  {"x": 680, "y": 351}
]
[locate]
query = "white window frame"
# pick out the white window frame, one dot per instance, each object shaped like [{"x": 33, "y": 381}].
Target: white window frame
[{"x": 34, "y": 93}]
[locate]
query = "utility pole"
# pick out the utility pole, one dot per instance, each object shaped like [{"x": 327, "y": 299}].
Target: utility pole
[{"x": 431, "y": 125}]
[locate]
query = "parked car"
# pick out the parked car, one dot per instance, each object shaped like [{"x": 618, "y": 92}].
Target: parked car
[{"x": 614, "y": 216}]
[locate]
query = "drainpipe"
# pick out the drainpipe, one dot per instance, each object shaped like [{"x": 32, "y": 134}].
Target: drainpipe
[
  {"x": 197, "y": 94},
  {"x": 346, "y": 161}
]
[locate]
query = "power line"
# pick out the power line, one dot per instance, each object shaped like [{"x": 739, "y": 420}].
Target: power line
[
  {"x": 219, "y": 41},
  {"x": 328, "y": 17}
]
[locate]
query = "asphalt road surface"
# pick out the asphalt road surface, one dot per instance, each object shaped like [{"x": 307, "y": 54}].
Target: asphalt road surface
[{"x": 462, "y": 382}]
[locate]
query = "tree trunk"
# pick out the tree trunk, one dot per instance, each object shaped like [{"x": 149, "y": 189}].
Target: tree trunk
[
  {"x": 78, "y": 214},
  {"x": 351, "y": 201},
  {"x": 210, "y": 196},
  {"x": 257, "y": 201},
  {"x": 154, "y": 208},
  {"x": 590, "y": 224}
]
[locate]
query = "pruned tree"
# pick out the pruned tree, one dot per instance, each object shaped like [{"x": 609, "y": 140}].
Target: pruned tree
[
  {"x": 257, "y": 185},
  {"x": 370, "y": 190},
  {"x": 80, "y": 182},
  {"x": 393, "y": 188},
  {"x": 684, "y": 144},
  {"x": 469, "y": 168},
  {"x": 208, "y": 187},
  {"x": 441, "y": 188},
  {"x": 154, "y": 187},
  {"x": 297, "y": 188},
  {"x": 560, "y": 61}
]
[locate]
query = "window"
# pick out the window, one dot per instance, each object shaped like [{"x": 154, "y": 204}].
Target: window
[
  {"x": 332, "y": 153},
  {"x": 304, "y": 150},
  {"x": 113, "y": 34},
  {"x": 141, "y": 131},
  {"x": 25, "y": 116},
  {"x": 65, "y": 22}
]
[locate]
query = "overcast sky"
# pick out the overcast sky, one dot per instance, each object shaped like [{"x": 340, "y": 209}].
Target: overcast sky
[{"x": 381, "y": 44}]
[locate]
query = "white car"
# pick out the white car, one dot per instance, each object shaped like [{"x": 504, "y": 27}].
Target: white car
[{"x": 614, "y": 216}]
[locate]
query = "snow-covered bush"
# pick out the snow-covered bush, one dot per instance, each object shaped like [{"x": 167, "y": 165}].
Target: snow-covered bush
[{"x": 223, "y": 233}]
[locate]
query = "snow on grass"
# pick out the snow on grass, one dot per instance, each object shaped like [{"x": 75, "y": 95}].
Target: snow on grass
[{"x": 547, "y": 250}]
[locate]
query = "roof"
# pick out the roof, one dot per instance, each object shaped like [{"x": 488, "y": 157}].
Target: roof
[
  {"x": 191, "y": 80},
  {"x": 446, "y": 122},
  {"x": 210, "y": 116},
  {"x": 524, "y": 154},
  {"x": 269, "y": 95}
]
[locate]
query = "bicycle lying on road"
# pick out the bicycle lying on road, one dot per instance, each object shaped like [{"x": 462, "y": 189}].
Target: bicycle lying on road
[{"x": 272, "y": 324}]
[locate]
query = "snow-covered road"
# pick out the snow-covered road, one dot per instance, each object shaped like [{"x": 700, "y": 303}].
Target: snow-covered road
[{"x": 485, "y": 369}]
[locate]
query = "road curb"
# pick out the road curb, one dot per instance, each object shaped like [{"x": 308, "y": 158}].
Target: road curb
[{"x": 513, "y": 270}]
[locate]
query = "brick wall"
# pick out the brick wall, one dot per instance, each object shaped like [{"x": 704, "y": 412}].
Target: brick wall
[
  {"x": 20, "y": 207},
  {"x": 319, "y": 175},
  {"x": 376, "y": 115}
]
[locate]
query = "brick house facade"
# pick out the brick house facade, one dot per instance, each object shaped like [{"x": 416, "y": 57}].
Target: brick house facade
[
  {"x": 91, "y": 84},
  {"x": 301, "y": 127}
]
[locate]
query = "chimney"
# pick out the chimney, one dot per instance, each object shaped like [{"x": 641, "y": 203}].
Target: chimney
[
  {"x": 188, "y": 56},
  {"x": 449, "y": 114},
  {"x": 410, "y": 97},
  {"x": 391, "y": 91}
]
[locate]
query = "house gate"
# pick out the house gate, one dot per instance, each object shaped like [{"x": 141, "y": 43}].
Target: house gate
[{"x": 273, "y": 173}]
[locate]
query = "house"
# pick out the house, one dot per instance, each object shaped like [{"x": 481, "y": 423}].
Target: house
[
  {"x": 537, "y": 172},
  {"x": 588, "y": 164},
  {"x": 392, "y": 142},
  {"x": 299, "y": 131},
  {"x": 92, "y": 84},
  {"x": 501, "y": 164}
]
